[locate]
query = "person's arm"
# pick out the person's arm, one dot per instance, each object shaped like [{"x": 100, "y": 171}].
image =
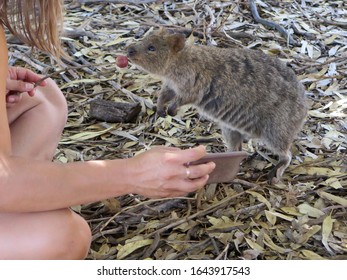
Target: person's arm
[
  {"x": 5, "y": 141},
  {"x": 37, "y": 186}
]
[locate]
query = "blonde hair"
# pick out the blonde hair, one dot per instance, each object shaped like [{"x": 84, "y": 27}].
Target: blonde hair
[{"x": 37, "y": 23}]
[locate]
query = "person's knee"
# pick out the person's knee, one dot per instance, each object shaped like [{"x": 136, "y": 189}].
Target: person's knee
[
  {"x": 77, "y": 239},
  {"x": 55, "y": 101},
  {"x": 83, "y": 237},
  {"x": 52, "y": 235},
  {"x": 72, "y": 241}
]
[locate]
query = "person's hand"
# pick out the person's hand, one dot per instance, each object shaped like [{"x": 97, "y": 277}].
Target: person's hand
[
  {"x": 165, "y": 172},
  {"x": 19, "y": 81}
]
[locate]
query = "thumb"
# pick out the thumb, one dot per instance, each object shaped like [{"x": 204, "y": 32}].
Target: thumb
[
  {"x": 13, "y": 97},
  {"x": 192, "y": 154}
]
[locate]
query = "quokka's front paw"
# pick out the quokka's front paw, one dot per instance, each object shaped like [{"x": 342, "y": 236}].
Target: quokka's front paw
[
  {"x": 161, "y": 112},
  {"x": 172, "y": 110}
]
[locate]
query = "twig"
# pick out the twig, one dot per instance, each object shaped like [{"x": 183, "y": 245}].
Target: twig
[
  {"x": 170, "y": 200},
  {"x": 205, "y": 212},
  {"x": 301, "y": 33},
  {"x": 149, "y": 251},
  {"x": 250, "y": 209},
  {"x": 330, "y": 22},
  {"x": 224, "y": 253},
  {"x": 271, "y": 24},
  {"x": 321, "y": 64},
  {"x": 245, "y": 183},
  {"x": 201, "y": 245}
]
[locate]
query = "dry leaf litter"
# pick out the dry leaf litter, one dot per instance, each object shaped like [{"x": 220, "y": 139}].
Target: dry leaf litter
[{"x": 305, "y": 217}]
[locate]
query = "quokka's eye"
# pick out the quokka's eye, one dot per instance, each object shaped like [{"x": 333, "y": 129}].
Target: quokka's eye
[{"x": 151, "y": 48}]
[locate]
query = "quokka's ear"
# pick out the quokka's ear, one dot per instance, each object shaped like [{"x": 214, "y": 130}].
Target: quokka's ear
[{"x": 176, "y": 42}]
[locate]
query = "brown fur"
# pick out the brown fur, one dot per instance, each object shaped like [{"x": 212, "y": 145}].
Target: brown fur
[{"x": 248, "y": 93}]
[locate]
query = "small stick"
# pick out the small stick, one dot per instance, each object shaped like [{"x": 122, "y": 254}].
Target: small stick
[
  {"x": 330, "y": 22},
  {"x": 204, "y": 212}
]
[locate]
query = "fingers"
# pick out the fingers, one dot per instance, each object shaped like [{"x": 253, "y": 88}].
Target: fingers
[
  {"x": 12, "y": 99},
  {"x": 189, "y": 155},
  {"x": 197, "y": 184},
  {"x": 189, "y": 179},
  {"x": 19, "y": 86},
  {"x": 178, "y": 156},
  {"x": 22, "y": 80},
  {"x": 26, "y": 75},
  {"x": 165, "y": 172},
  {"x": 183, "y": 187},
  {"x": 198, "y": 171},
  {"x": 180, "y": 160}
]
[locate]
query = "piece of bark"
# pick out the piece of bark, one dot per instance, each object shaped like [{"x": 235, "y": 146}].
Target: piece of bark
[{"x": 114, "y": 112}]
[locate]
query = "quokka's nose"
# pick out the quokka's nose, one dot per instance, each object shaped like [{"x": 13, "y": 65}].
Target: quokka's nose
[{"x": 131, "y": 51}]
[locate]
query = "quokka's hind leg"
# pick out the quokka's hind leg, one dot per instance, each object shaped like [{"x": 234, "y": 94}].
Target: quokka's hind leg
[
  {"x": 233, "y": 139},
  {"x": 283, "y": 162}
]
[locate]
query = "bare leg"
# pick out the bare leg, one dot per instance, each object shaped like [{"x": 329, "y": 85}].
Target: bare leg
[
  {"x": 233, "y": 139},
  {"x": 59, "y": 234},
  {"x": 36, "y": 124}
]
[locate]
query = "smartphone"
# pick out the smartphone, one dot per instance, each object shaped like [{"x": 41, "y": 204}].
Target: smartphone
[{"x": 227, "y": 165}]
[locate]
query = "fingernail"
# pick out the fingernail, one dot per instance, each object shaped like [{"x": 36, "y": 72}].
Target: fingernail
[
  {"x": 10, "y": 99},
  {"x": 29, "y": 87}
]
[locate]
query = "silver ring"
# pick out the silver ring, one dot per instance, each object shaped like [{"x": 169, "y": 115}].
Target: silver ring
[{"x": 187, "y": 172}]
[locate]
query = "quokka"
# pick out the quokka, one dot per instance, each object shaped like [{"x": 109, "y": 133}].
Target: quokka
[{"x": 248, "y": 93}]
